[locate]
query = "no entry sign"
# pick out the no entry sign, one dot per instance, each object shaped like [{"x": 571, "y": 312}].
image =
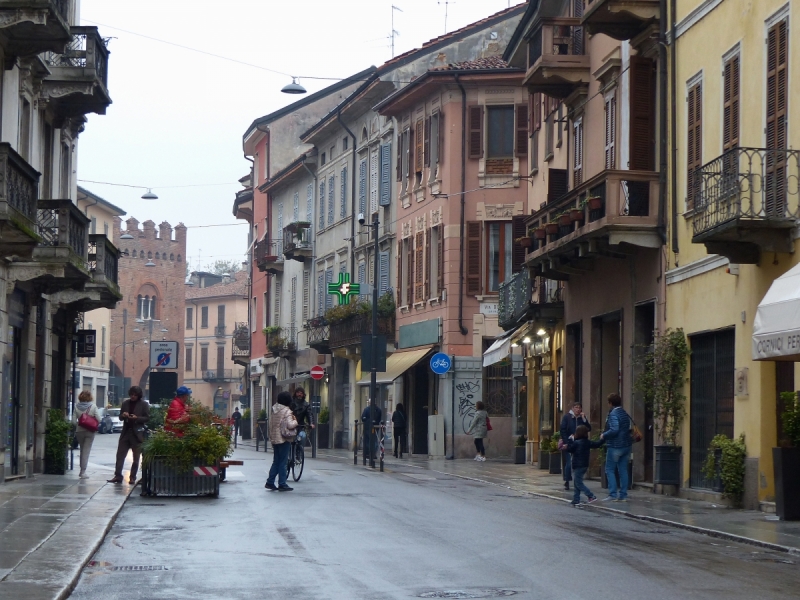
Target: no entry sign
[{"x": 317, "y": 372}]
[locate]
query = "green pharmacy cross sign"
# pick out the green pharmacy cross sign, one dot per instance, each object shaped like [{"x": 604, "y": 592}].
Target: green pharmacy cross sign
[{"x": 343, "y": 289}]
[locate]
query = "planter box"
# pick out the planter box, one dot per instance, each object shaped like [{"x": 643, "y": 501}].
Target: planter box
[
  {"x": 786, "y": 465},
  {"x": 668, "y": 465},
  {"x": 161, "y": 478},
  {"x": 555, "y": 463},
  {"x": 551, "y": 228},
  {"x": 246, "y": 429},
  {"x": 323, "y": 435},
  {"x": 55, "y": 467},
  {"x": 564, "y": 220},
  {"x": 594, "y": 203},
  {"x": 576, "y": 215},
  {"x": 519, "y": 455},
  {"x": 544, "y": 460},
  {"x": 526, "y": 242},
  {"x": 540, "y": 234}
]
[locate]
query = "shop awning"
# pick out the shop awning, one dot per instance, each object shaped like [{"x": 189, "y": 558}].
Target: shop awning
[
  {"x": 298, "y": 379},
  {"x": 502, "y": 345},
  {"x": 776, "y": 329},
  {"x": 397, "y": 364}
]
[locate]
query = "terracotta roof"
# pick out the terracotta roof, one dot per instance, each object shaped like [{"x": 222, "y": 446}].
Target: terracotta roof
[
  {"x": 237, "y": 287},
  {"x": 490, "y": 62},
  {"x": 447, "y": 36}
]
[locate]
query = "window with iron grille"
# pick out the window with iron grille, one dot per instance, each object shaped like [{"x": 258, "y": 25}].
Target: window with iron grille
[{"x": 498, "y": 386}]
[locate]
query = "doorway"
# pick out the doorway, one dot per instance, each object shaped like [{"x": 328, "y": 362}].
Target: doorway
[
  {"x": 606, "y": 364},
  {"x": 11, "y": 391},
  {"x": 712, "y": 390},
  {"x": 420, "y": 408},
  {"x": 643, "y": 337}
]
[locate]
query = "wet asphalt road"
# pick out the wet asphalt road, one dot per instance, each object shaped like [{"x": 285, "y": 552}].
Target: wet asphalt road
[{"x": 347, "y": 532}]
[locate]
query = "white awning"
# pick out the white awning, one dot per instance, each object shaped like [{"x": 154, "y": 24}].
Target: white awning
[
  {"x": 776, "y": 329},
  {"x": 397, "y": 364},
  {"x": 499, "y": 349}
]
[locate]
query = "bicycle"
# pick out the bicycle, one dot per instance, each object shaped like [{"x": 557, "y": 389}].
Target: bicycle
[{"x": 296, "y": 457}]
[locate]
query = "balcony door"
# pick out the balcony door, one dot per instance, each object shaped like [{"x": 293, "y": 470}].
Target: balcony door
[{"x": 220, "y": 362}]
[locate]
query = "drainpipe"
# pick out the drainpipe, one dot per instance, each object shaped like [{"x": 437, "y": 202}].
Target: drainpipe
[
  {"x": 662, "y": 123},
  {"x": 673, "y": 118},
  {"x": 464, "y": 330},
  {"x": 352, "y": 198}
]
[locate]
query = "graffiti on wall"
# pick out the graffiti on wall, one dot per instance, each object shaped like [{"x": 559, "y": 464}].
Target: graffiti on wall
[{"x": 468, "y": 393}]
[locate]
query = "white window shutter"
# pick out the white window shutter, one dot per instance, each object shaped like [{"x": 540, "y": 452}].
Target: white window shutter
[
  {"x": 322, "y": 204},
  {"x": 386, "y": 175},
  {"x": 296, "y": 208},
  {"x": 362, "y": 276},
  {"x": 276, "y": 314},
  {"x": 384, "y": 273},
  {"x": 331, "y": 198},
  {"x": 343, "y": 186},
  {"x": 362, "y": 186},
  {"x": 373, "y": 182},
  {"x": 328, "y": 297},
  {"x": 321, "y": 294},
  {"x": 309, "y": 202},
  {"x": 306, "y": 293}
]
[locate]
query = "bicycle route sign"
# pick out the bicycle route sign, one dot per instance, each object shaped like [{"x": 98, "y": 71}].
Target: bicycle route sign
[{"x": 440, "y": 363}]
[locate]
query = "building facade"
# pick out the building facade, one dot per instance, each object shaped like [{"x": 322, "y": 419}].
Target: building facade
[
  {"x": 152, "y": 275},
  {"x": 216, "y": 311},
  {"x": 54, "y": 269}
]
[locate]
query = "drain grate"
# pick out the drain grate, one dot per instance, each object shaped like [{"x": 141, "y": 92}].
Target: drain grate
[
  {"x": 141, "y": 568},
  {"x": 482, "y": 593}
]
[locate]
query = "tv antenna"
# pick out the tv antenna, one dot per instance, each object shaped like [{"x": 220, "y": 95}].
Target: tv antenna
[
  {"x": 395, "y": 33},
  {"x": 447, "y": 4}
]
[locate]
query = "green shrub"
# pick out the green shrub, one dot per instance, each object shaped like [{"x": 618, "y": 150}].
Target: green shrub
[
  {"x": 262, "y": 414},
  {"x": 520, "y": 441},
  {"x": 791, "y": 417},
  {"x": 386, "y": 305},
  {"x": 271, "y": 330},
  {"x": 56, "y": 436},
  {"x": 246, "y": 414},
  {"x": 324, "y": 416},
  {"x": 731, "y": 468}
]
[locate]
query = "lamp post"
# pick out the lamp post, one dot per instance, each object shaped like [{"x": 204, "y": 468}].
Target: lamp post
[{"x": 373, "y": 381}]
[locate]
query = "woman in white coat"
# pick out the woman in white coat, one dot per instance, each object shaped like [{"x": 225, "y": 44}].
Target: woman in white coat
[{"x": 85, "y": 436}]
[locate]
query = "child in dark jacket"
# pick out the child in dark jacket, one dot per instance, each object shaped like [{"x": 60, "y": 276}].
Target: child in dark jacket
[{"x": 579, "y": 445}]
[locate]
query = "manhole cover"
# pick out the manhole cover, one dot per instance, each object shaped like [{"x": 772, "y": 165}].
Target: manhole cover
[
  {"x": 488, "y": 593},
  {"x": 141, "y": 568}
]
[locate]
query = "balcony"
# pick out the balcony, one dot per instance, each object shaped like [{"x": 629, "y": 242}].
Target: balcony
[
  {"x": 319, "y": 335},
  {"x": 523, "y": 298},
  {"x": 349, "y": 332},
  {"x": 104, "y": 267},
  {"x": 604, "y": 216},
  {"x": 268, "y": 257},
  {"x": 297, "y": 242},
  {"x": 557, "y": 59},
  {"x": 283, "y": 341},
  {"x": 19, "y": 184},
  {"x": 620, "y": 19},
  {"x": 219, "y": 331},
  {"x": 746, "y": 203},
  {"x": 240, "y": 350},
  {"x": 30, "y": 27},
  {"x": 78, "y": 81},
  {"x": 219, "y": 376}
]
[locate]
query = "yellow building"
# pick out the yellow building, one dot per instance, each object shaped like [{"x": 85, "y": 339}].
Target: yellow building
[{"x": 734, "y": 200}]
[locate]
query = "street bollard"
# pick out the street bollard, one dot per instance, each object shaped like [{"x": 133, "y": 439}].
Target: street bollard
[
  {"x": 383, "y": 437},
  {"x": 355, "y": 444}
]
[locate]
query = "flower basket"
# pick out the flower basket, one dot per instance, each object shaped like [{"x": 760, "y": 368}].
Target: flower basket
[
  {"x": 540, "y": 233},
  {"x": 576, "y": 215},
  {"x": 594, "y": 203},
  {"x": 551, "y": 228},
  {"x": 526, "y": 242},
  {"x": 564, "y": 220}
]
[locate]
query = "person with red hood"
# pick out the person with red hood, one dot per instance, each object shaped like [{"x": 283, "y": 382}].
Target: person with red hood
[{"x": 178, "y": 412}]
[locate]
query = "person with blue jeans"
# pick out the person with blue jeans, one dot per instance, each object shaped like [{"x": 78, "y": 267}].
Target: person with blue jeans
[
  {"x": 569, "y": 423},
  {"x": 578, "y": 446},
  {"x": 281, "y": 415},
  {"x": 618, "y": 448}
]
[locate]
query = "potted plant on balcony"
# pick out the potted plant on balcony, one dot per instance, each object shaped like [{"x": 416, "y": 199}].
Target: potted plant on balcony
[
  {"x": 661, "y": 382},
  {"x": 725, "y": 467},
  {"x": 540, "y": 233},
  {"x": 786, "y": 461},
  {"x": 564, "y": 219},
  {"x": 551, "y": 228},
  {"x": 519, "y": 450},
  {"x": 594, "y": 202},
  {"x": 245, "y": 425},
  {"x": 576, "y": 214},
  {"x": 525, "y": 241}
]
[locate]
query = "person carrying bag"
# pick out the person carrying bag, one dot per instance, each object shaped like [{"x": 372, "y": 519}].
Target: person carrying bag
[{"x": 87, "y": 420}]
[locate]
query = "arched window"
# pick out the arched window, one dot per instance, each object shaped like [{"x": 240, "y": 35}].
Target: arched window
[
  {"x": 179, "y": 258},
  {"x": 147, "y": 302},
  {"x": 141, "y": 253},
  {"x": 139, "y": 306},
  {"x": 172, "y": 257},
  {"x": 156, "y": 255},
  {"x": 364, "y": 135},
  {"x": 149, "y": 255}
]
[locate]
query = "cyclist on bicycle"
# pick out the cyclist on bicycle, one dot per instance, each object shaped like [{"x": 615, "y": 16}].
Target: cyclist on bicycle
[{"x": 302, "y": 412}]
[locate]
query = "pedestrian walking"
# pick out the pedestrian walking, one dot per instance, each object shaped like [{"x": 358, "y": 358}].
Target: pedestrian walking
[
  {"x": 302, "y": 412},
  {"x": 237, "y": 422},
  {"x": 281, "y": 423},
  {"x": 84, "y": 434},
  {"x": 617, "y": 436},
  {"x": 577, "y": 448},
  {"x": 371, "y": 414},
  {"x": 134, "y": 413},
  {"x": 569, "y": 423},
  {"x": 399, "y": 429},
  {"x": 178, "y": 412},
  {"x": 479, "y": 429}
]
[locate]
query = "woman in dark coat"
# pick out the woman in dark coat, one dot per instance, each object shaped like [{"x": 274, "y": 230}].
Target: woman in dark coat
[{"x": 399, "y": 430}]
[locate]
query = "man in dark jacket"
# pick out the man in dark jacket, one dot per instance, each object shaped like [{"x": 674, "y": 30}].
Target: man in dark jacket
[
  {"x": 302, "y": 412},
  {"x": 134, "y": 413},
  {"x": 618, "y": 448},
  {"x": 371, "y": 418},
  {"x": 237, "y": 421},
  {"x": 569, "y": 423}
]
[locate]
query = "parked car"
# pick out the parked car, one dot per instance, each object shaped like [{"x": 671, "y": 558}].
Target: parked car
[
  {"x": 106, "y": 425},
  {"x": 116, "y": 423}
]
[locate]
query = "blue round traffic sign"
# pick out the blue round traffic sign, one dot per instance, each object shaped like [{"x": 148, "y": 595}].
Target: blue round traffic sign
[{"x": 440, "y": 363}]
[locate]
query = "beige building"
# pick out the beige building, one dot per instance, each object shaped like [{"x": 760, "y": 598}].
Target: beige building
[
  {"x": 93, "y": 373},
  {"x": 216, "y": 308}
]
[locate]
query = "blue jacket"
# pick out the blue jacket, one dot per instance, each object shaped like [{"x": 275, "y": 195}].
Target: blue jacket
[
  {"x": 580, "y": 451},
  {"x": 569, "y": 424},
  {"x": 618, "y": 429}
]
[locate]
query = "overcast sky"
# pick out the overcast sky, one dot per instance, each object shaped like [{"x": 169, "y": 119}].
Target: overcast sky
[{"x": 178, "y": 116}]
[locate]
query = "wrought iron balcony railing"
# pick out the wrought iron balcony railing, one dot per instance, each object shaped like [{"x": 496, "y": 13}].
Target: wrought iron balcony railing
[
  {"x": 219, "y": 331},
  {"x": 78, "y": 79},
  {"x": 348, "y": 333},
  {"x": 284, "y": 340},
  {"x": 61, "y": 223},
  {"x": 30, "y": 27},
  {"x": 523, "y": 297},
  {"x": 296, "y": 240},
  {"x": 103, "y": 261},
  {"x": 747, "y": 197},
  {"x": 218, "y": 375},
  {"x": 318, "y": 334},
  {"x": 241, "y": 341},
  {"x": 18, "y": 196},
  {"x": 557, "y": 59}
]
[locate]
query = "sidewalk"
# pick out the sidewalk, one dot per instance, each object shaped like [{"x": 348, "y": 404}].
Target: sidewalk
[
  {"x": 747, "y": 526},
  {"x": 50, "y": 526}
]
